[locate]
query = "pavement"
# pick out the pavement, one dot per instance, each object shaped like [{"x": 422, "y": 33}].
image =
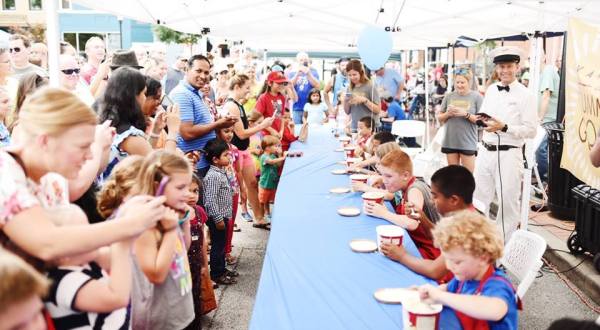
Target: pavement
[{"x": 548, "y": 299}]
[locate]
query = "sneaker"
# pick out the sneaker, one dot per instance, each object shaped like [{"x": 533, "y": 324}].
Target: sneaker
[{"x": 246, "y": 216}]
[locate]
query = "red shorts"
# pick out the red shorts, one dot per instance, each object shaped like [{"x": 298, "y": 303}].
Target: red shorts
[{"x": 266, "y": 195}]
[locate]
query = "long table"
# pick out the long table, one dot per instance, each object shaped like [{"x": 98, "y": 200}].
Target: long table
[{"x": 311, "y": 279}]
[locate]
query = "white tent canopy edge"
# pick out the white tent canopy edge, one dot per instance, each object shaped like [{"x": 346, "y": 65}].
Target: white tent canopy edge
[{"x": 335, "y": 24}]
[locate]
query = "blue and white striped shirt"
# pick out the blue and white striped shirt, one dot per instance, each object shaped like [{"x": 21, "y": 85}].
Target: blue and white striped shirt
[{"x": 192, "y": 109}]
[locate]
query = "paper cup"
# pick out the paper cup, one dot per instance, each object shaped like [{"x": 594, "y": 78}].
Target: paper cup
[
  {"x": 345, "y": 141},
  {"x": 352, "y": 161},
  {"x": 349, "y": 151},
  {"x": 373, "y": 196},
  {"x": 358, "y": 178},
  {"x": 420, "y": 316},
  {"x": 389, "y": 234}
]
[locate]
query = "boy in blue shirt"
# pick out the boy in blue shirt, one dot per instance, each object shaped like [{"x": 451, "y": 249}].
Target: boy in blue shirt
[
  {"x": 394, "y": 112},
  {"x": 481, "y": 295}
]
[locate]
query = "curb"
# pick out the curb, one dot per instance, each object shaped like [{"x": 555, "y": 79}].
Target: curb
[{"x": 584, "y": 277}]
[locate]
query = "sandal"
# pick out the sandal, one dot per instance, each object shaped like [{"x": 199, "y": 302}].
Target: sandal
[
  {"x": 225, "y": 280},
  {"x": 231, "y": 273},
  {"x": 236, "y": 229},
  {"x": 261, "y": 225}
]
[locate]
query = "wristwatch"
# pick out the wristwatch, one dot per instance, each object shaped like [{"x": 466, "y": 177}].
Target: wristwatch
[{"x": 505, "y": 128}]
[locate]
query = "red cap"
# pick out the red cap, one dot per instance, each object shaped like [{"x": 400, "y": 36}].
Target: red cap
[{"x": 276, "y": 77}]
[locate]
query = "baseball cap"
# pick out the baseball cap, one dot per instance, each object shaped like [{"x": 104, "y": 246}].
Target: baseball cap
[{"x": 277, "y": 77}]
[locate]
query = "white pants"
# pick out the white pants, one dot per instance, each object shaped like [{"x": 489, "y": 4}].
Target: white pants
[{"x": 487, "y": 182}]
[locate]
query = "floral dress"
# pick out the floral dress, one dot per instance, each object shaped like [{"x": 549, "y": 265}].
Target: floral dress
[{"x": 19, "y": 193}]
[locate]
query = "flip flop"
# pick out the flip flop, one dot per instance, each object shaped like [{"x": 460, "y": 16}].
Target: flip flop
[{"x": 260, "y": 225}]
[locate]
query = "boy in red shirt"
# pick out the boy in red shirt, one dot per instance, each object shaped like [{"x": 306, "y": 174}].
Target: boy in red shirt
[{"x": 397, "y": 174}]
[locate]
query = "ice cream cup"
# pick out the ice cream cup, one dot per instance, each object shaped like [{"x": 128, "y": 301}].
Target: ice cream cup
[
  {"x": 419, "y": 315},
  {"x": 390, "y": 234}
]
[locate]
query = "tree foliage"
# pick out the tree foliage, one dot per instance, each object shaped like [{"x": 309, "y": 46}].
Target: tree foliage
[{"x": 166, "y": 35}]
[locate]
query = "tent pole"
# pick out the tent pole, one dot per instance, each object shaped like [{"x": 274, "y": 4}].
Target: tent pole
[
  {"x": 52, "y": 40},
  {"x": 449, "y": 72},
  {"x": 536, "y": 54},
  {"x": 426, "y": 139}
]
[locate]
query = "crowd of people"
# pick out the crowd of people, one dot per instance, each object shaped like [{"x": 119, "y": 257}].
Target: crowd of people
[{"x": 113, "y": 185}]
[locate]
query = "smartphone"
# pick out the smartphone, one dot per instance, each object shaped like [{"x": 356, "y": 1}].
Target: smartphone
[
  {"x": 161, "y": 186},
  {"x": 166, "y": 100}
]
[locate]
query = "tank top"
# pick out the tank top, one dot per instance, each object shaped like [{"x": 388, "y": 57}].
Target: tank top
[
  {"x": 241, "y": 144},
  {"x": 422, "y": 234}
]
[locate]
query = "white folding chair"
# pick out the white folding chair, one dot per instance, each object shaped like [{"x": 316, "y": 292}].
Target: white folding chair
[
  {"x": 432, "y": 159},
  {"x": 409, "y": 128},
  {"x": 523, "y": 258}
]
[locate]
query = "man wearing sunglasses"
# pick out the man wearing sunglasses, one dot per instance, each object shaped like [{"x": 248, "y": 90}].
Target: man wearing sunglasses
[
  {"x": 19, "y": 56},
  {"x": 70, "y": 78}
]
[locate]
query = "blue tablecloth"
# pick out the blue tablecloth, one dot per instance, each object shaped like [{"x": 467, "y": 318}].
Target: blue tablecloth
[{"x": 311, "y": 279}]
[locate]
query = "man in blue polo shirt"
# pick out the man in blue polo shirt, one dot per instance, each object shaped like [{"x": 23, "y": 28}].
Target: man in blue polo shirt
[
  {"x": 197, "y": 126},
  {"x": 390, "y": 82},
  {"x": 303, "y": 79}
]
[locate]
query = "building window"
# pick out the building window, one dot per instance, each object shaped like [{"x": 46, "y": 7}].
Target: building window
[
  {"x": 8, "y": 5},
  {"x": 78, "y": 40},
  {"x": 71, "y": 38},
  {"x": 65, "y": 4},
  {"x": 35, "y": 4}
]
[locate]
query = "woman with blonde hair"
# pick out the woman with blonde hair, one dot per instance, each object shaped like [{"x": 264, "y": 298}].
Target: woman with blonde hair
[
  {"x": 458, "y": 113},
  {"x": 239, "y": 88},
  {"x": 362, "y": 99},
  {"x": 57, "y": 132}
]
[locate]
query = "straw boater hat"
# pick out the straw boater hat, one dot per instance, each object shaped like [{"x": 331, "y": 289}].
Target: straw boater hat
[
  {"x": 124, "y": 58},
  {"x": 506, "y": 54}
]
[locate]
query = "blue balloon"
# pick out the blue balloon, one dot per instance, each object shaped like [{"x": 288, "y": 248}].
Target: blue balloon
[{"x": 374, "y": 46}]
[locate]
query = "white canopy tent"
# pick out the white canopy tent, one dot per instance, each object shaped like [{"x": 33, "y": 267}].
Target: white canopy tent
[{"x": 335, "y": 24}]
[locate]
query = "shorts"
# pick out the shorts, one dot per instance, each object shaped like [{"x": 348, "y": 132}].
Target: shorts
[
  {"x": 459, "y": 151},
  {"x": 266, "y": 195},
  {"x": 245, "y": 158}
]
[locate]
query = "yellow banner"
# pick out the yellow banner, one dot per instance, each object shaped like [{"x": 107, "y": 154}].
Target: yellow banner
[{"x": 582, "y": 101}]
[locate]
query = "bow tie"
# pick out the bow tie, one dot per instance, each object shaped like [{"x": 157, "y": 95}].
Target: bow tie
[{"x": 501, "y": 88}]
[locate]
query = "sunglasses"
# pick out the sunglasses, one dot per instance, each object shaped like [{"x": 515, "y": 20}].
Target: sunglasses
[
  {"x": 15, "y": 50},
  {"x": 69, "y": 72},
  {"x": 283, "y": 83}
]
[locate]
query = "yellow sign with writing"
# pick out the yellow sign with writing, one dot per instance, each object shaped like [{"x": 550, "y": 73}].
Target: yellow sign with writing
[{"x": 582, "y": 101}]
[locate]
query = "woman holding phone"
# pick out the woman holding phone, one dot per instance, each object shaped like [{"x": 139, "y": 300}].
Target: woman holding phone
[
  {"x": 157, "y": 118},
  {"x": 458, "y": 112},
  {"x": 239, "y": 89},
  {"x": 123, "y": 107},
  {"x": 362, "y": 99}
]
